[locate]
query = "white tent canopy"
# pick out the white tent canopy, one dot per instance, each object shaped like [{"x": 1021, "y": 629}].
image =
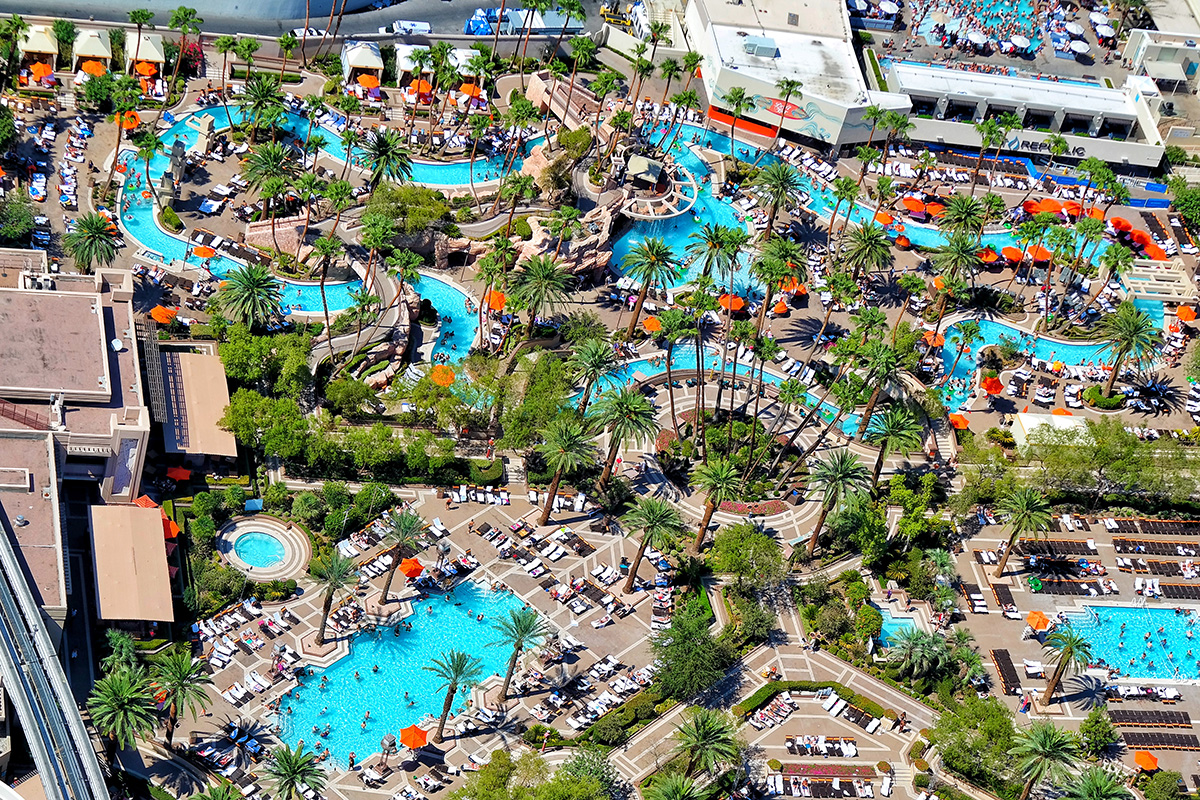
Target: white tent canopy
[
  {"x": 40, "y": 39},
  {"x": 92, "y": 44},
  {"x": 363, "y": 56},
  {"x": 149, "y": 49}
]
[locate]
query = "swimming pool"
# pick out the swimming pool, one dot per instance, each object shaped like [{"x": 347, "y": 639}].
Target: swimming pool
[
  {"x": 259, "y": 549},
  {"x": 437, "y": 627},
  {"x": 458, "y": 333},
  {"x": 1138, "y": 650},
  {"x": 893, "y": 625}
]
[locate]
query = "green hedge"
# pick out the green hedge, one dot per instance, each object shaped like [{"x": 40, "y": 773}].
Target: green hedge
[
  {"x": 1094, "y": 395},
  {"x": 917, "y": 750},
  {"x": 767, "y": 693},
  {"x": 486, "y": 473}
]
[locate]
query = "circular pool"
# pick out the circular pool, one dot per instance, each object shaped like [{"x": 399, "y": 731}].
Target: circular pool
[{"x": 265, "y": 548}]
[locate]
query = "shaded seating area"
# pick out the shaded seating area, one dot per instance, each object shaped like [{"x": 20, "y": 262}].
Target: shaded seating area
[
  {"x": 1130, "y": 717},
  {"x": 1010, "y": 681},
  {"x": 1160, "y": 741}
]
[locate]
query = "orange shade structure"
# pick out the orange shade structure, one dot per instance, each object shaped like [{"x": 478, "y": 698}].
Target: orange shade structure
[
  {"x": 421, "y": 86},
  {"x": 939, "y": 282},
  {"x": 368, "y": 81},
  {"x": 1050, "y": 206},
  {"x": 1146, "y": 761},
  {"x": 935, "y": 209},
  {"x": 1155, "y": 252},
  {"x": 934, "y": 339},
  {"x": 40, "y": 70},
  {"x": 442, "y": 375},
  {"x": 93, "y": 68},
  {"x": 1039, "y": 253},
  {"x": 470, "y": 90},
  {"x": 413, "y": 737},
  {"x": 732, "y": 302},
  {"x": 130, "y": 120},
  {"x": 781, "y": 308},
  {"x": 884, "y": 218},
  {"x": 1186, "y": 313},
  {"x": 170, "y": 528},
  {"x": 913, "y": 204},
  {"x": 791, "y": 284},
  {"x": 1072, "y": 207},
  {"x": 1141, "y": 237},
  {"x": 1121, "y": 224},
  {"x": 411, "y": 567},
  {"x": 992, "y": 385},
  {"x": 959, "y": 422},
  {"x": 1094, "y": 213},
  {"x": 204, "y": 251},
  {"x": 1012, "y": 253},
  {"x": 179, "y": 473},
  {"x": 652, "y": 324},
  {"x": 1031, "y": 206},
  {"x": 495, "y": 300},
  {"x": 989, "y": 256},
  {"x": 1038, "y": 621},
  {"x": 1062, "y": 412},
  {"x": 163, "y": 315},
  {"x": 145, "y": 502},
  {"x": 145, "y": 69},
  {"x": 903, "y": 242}
]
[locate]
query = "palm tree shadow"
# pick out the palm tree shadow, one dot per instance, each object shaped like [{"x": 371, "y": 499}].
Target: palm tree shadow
[
  {"x": 146, "y": 295},
  {"x": 1084, "y": 692}
]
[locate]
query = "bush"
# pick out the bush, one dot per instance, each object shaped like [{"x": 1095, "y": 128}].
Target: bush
[
  {"x": 1001, "y": 437},
  {"x": 1162, "y": 786},
  {"x": 340, "y": 523},
  {"x": 486, "y": 473},
  {"x": 641, "y": 707},
  {"x": 275, "y": 591},
  {"x": 1094, "y": 396},
  {"x": 921, "y": 780},
  {"x": 608, "y": 731},
  {"x": 277, "y": 498},
  {"x": 521, "y": 228},
  {"x": 883, "y": 767},
  {"x": 576, "y": 143},
  {"x": 204, "y": 534},
  {"x": 918, "y": 749},
  {"x": 767, "y": 693},
  {"x": 774, "y": 765},
  {"x": 308, "y": 507},
  {"x": 921, "y": 764},
  {"x": 170, "y": 220},
  {"x": 234, "y": 499},
  {"x": 206, "y": 504}
]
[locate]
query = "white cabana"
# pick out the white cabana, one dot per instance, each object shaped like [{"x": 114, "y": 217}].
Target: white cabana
[
  {"x": 360, "y": 58},
  {"x": 92, "y": 45},
  {"x": 149, "y": 49},
  {"x": 39, "y": 41}
]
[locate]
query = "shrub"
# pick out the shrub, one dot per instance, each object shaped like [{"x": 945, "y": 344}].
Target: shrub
[
  {"x": 921, "y": 764},
  {"x": 340, "y": 523},
  {"x": 921, "y": 781},
  {"x": 774, "y": 765},
  {"x": 608, "y": 731},
  {"x": 576, "y": 143},
  {"x": 1094, "y": 396},
  {"x": 308, "y": 507},
  {"x": 641, "y": 707},
  {"x": 521, "y": 228},
  {"x": 918, "y": 749},
  {"x": 486, "y": 473},
  {"x": 1001, "y": 437},
  {"x": 234, "y": 498},
  {"x": 170, "y": 219},
  {"x": 205, "y": 504},
  {"x": 276, "y": 497},
  {"x": 204, "y": 533},
  {"x": 884, "y": 767}
]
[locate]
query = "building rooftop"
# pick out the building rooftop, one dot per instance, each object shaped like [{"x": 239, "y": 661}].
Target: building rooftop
[
  {"x": 826, "y": 64},
  {"x": 53, "y": 342},
  {"x": 761, "y": 17},
  {"x": 132, "y": 582},
  {"x": 197, "y": 395},
  {"x": 29, "y": 491}
]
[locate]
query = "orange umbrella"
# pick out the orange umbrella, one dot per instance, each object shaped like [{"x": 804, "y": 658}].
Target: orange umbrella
[
  {"x": 1094, "y": 213},
  {"x": 1050, "y": 206},
  {"x": 731, "y": 302},
  {"x": 421, "y": 86},
  {"x": 470, "y": 90},
  {"x": 2, "y": 172},
  {"x": 1145, "y": 760},
  {"x": 1155, "y": 252},
  {"x": 411, "y": 567},
  {"x": 1073, "y": 208},
  {"x": 495, "y": 300},
  {"x": 1186, "y": 313},
  {"x": 413, "y": 737},
  {"x": 1039, "y": 253},
  {"x": 935, "y": 209},
  {"x": 368, "y": 81},
  {"x": 442, "y": 375},
  {"x": 145, "y": 69},
  {"x": 40, "y": 70},
  {"x": 934, "y": 339},
  {"x": 1012, "y": 253},
  {"x": 884, "y": 218},
  {"x": 992, "y": 385},
  {"x": 790, "y": 284},
  {"x": 1121, "y": 224},
  {"x": 903, "y": 242},
  {"x": 130, "y": 120},
  {"x": 203, "y": 251},
  {"x": 939, "y": 282},
  {"x": 94, "y": 68},
  {"x": 913, "y": 204},
  {"x": 178, "y": 473},
  {"x": 1037, "y": 620},
  {"x": 163, "y": 315},
  {"x": 959, "y": 421},
  {"x": 988, "y": 255},
  {"x": 781, "y": 307},
  {"x": 1061, "y": 412},
  {"x": 1141, "y": 237},
  {"x": 1031, "y": 206},
  {"x": 652, "y": 324}
]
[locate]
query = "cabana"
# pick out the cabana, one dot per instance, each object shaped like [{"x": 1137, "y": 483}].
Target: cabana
[
  {"x": 38, "y": 47},
  {"x": 149, "y": 50},
  {"x": 91, "y": 45},
  {"x": 361, "y": 58}
]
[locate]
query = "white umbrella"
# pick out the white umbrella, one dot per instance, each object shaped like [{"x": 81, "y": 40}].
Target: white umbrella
[
  {"x": 1105, "y": 31},
  {"x": 888, "y": 7},
  {"x": 858, "y": 5},
  {"x": 1074, "y": 28},
  {"x": 975, "y": 37},
  {"x": 1080, "y": 47},
  {"x": 938, "y": 17},
  {"x": 1098, "y": 18},
  {"x": 1020, "y": 41}
]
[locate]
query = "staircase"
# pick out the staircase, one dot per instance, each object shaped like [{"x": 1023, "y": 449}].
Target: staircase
[
  {"x": 514, "y": 468},
  {"x": 66, "y": 100}
]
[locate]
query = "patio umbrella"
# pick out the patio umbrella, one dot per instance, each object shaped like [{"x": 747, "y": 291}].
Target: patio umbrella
[
  {"x": 1080, "y": 48},
  {"x": 975, "y": 37},
  {"x": 1155, "y": 252},
  {"x": 94, "y": 68},
  {"x": 40, "y": 70},
  {"x": 1186, "y": 313},
  {"x": 959, "y": 422},
  {"x": 789, "y": 284},
  {"x": 163, "y": 315},
  {"x": 1038, "y": 621},
  {"x": 988, "y": 255},
  {"x": 1019, "y": 42},
  {"x": 413, "y": 737},
  {"x": 939, "y": 17},
  {"x": 992, "y": 385},
  {"x": 732, "y": 302},
  {"x": 411, "y": 567},
  {"x": 203, "y": 251},
  {"x": 888, "y": 7},
  {"x": 130, "y": 120},
  {"x": 178, "y": 473},
  {"x": 1141, "y": 237},
  {"x": 1072, "y": 207},
  {"x": 145, "y": 69},
  {"x": 1121, "y": 224},
  {"x": 470, "y": 90},
  {"x": 442, "y": 375},
  {"x": 903, "y": 243},
  {"x": 421, "y": 86},
  {"x": 495, "y": 300},
  {"x": 934, "y": 339},
  {"x": 1098, "y": 18},
  {"x": 1061, "y": 412},
  {"x": 781, "y": 307},
  {"x": 368, "y": 81},
  {"x": 1105, "y": 31},
  {"x": 884, "y": 218},
  {"x": 1012, "y": 253},
  {"x": 1074, "y": 28},
  {"x": 939, "y": 282},
  {"x": 1050, "y": 206},
  {"x": 1094, "y": 213},
  {"x": 1145, "y": 760},
  {"x": 1032, "y": 206},
  {"x": 913, "y": 204},
  {"x": 1039, "y": 253},
  {"x": 652, "y": 324},
  {"x": 935, "y": 209}
]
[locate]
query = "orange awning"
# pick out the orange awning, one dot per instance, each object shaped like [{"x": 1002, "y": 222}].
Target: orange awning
[
  {"x": 495, "y": 300},
  {"x": 413, "y": 737},
  {"x": 130, "y": 120},
  {"x": 411, "y": 567},
  {"x": 652, "y": 324},
  {"x": 992, "y": 385},
  {"x": 442, "y": 375},
  {"x": 1038, "y": 621},
  {"x": 145, "y": 69},
  {"x": 883, "y": 218},
  {"x": 934, "y": 339},
  {"x": 988, "y": 255},
  {"x": 179, "y": 473},
  {"x": 1012, "y": 253},
  {"x": 913, "y": 204},
  {"x": 1121, "y": 224},
  {"x": 470, "y": 90},
  {"x": 145, "y": 502},
  {"x": 163, "y": 315},
  {"x": 1062, "y": 412},
  {"x": 935, "y": 209},
  {"x": 40, "y": 70},
  {"x": 781, "y": 308},
  {"x": 1039, "y": 253},
  {"x": 1155, "y": 252},
  {"x": 421, "y": 86},
  {"x": 203, "y": 251},
  {"x": 1145, "y": 760},
  {"x": 732, "y": 302},
  {"x": 368, "y": 81},
  {"x": 94, "y": 68},
  {"x": 170, "y": 528},
  {"x": 959, "y": 421},
  {"x": 1186, "y": 313}
]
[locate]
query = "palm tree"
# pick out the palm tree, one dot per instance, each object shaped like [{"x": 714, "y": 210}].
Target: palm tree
[
  {"x": 707, "y": 738},
  {"x": 720, "y": 479},
  {"x": 224, "y": 45},
  {"x": 516, "y": 188},
  {"x": 455, "y": 668},
  {"x": 13, "y": 31},
  {"x": 564, "y": 223},
  {"x": 1115, "y": 261},
  {"x": 524, "y": 629},
  {"x": 184, "y": 20},
  {"x": 225, "y": 790},
  {"x": 94, "y": 241},
  {"x": 876, "y": 115},
  {"x": 883, "y": 364},
  {"x": 1044, "y": 752},
  {"x": 583, "y": 50},
  {"x": 333, "y": 573},
  {"x": 293, "y": 772},
  {"x": 480, "y": 125},
  {"x": 541, "y": 284},
  {"x": 541, "y": 7},
  {"x": 250, "y": 294},
  {"x": 590, "y": 362},
  {"x": 1095, "y": 783},
  {"x": 898, "y": 129},
  {"x": 1028, "y": 512},
  {"x": 869, "y": 250},
  {"x": 659, "y": 523},
  {"x": 787, "y": 87},
  {"x": 650, "y": 263},
  {"x": 896, "y": 428},
  {"x": 601, "y": 87},
  {"x": 1066, "y": 648},
  {"x": 835, "y": 478},
  {"x": 918, "y": 653},
  {"x": 871, "y": 322},
  {"x": 628, "y": 417},
  {"x": 691, "y": 62},
  {"x": 843, "y": 189},
  {"x": 567, "y": 446},
  {"x": 676, "y": 324},
  {"x": 287, "y": 48},
  {"x": 124, "y": 98},
  {"x": 404, "y": 534},
  {"x": 715, "y": 247},
  {"x": 989, "y": 134},
  {"x": 778, "y": 183},
  {"x": 738, "y": 103},
  {"x": 361, "y": 303},
  {"x": 260, "y": 101},
  {"x": 672, "y": 786},
  {"x": 570, "y": 9},
  {"x": 966, "y": 335},
  {"x": 669, "y": 70},
  {"x": 122, "y": 709},
  {"x": 183, "y": 680},
  {"x": 384, "y": 151},
  {"x": 349, "y": 140},
  {"x": 148, "y": 145},
  {"x": 962, "y": 214},
  {"x": 1129, "y": 333}
]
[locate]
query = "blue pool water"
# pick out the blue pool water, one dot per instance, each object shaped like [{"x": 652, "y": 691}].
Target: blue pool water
[
  {"x": 258, "y": 549},
  {"x": 893, "y": 625},
  {"x": 457, "y": 335},
  {"x": 1102, "y": 627},
  {"x": 1154, "y": 308},
  {"x": 344, "y": 702}
]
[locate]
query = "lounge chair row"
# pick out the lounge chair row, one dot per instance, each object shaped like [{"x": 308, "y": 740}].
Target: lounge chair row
[
  {"x": 1130, "y": 717},
  {"x": 1160, "y": 741}
]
